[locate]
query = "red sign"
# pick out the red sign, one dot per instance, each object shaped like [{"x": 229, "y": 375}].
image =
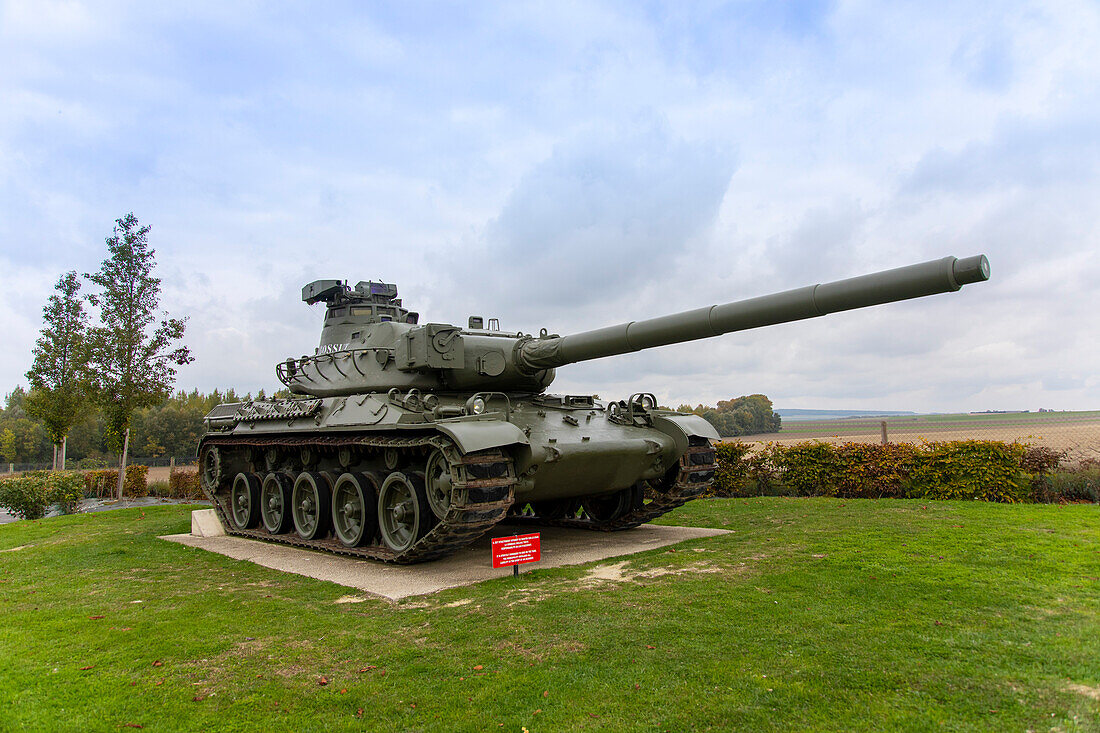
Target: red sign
[{"x": 516, "y": 550}]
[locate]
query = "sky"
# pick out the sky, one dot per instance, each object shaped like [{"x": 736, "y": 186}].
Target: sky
[{"x": 575, "y": 165}]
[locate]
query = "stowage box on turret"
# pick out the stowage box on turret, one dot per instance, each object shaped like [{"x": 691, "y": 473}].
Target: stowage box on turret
[{"x": 405, "y": 442}]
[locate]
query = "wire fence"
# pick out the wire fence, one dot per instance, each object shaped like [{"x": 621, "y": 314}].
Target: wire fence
[
  {"x": 1077, "y": 434},
  {"x": 165, "y": 462}
]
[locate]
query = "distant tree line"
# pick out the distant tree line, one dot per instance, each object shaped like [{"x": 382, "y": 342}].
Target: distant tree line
[
  {"x": 745, "y": 415},
  {"x": 170, "y": 429}
]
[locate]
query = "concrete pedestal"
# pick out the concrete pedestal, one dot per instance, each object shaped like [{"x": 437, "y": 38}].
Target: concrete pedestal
[{"x": 470, "y": 565}]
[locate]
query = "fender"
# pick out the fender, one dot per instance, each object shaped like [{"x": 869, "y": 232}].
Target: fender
[
  {"x": 680, "y": 427},
  {"x": 478, "y": 435}
]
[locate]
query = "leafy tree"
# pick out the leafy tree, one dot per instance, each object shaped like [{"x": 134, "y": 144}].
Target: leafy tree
[
  {"x": 29, "y": 442},
  {"x": 13, "y": 404},
  {"x": 132, "y": 355},
  {"x": 7, "y": 445},
  {"x": 58, "y": 379},
  {"x": 745, "y": 415}
]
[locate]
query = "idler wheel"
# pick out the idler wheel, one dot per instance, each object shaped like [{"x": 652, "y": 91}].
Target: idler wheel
[
  {"x": 354, "y": 503},
  {"x": 210, "y": 468},
  {"x": 310, "y": 502},
  {"x": 244, "y": 501},
  {"x": 275, "y": 497},
  {"x": 403, "y": 511},
  {"x": 438, "y": 484}
]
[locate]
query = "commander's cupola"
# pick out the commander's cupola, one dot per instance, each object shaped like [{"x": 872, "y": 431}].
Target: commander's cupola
[{"x": 351, "y": 312}]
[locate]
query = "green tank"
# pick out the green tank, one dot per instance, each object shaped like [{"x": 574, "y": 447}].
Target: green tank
[{"x": 404, "y": 442}]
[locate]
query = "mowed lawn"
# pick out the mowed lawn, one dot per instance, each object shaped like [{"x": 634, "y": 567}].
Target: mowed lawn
[{"x": 813, "y": 614}]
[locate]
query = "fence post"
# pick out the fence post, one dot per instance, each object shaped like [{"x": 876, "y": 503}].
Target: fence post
[{"x": 884, "y": 439}]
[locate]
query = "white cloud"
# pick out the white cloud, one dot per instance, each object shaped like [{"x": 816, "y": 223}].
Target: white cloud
[{"x": 576, "y": 166}]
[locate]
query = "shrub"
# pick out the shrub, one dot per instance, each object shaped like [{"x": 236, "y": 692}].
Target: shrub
[
  {"x": 66, "y": 490},
  {"x": 1039, "y": 462},
  {"x": 30, "y": 495},
  {"x": 24, "y": 497},
  {"x": 985, "y": 470},
  {"x": 1081, "y": 483},
  {"x": 104, "y": 484},
  {"x": 809, "y": 469},
  {"x": 732, "y": 476},
  {"x": 962, "y": 469},
  {"x": 91, "y": 463},
  {"x": 184, "y": 485},
  {"x": 875, "y": 471}
]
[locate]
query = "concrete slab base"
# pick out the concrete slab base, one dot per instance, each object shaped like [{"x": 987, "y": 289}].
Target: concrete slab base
[{"x": 466, "y": 567}]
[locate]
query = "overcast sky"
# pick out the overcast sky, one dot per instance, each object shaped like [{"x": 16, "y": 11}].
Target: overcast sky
[{"x": 574, "y": 165}]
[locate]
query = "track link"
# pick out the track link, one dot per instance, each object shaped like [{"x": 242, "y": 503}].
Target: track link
[{"x": 484, "y": 483}]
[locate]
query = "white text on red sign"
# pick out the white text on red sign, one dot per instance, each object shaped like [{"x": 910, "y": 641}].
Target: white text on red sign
[{"x": 516, "y": 550}]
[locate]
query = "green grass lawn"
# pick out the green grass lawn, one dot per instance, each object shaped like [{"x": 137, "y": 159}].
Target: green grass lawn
[{"x": 813, "y": 614}]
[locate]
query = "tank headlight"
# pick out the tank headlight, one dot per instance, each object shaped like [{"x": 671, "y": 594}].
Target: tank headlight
[{"x": 477, "y": 405}]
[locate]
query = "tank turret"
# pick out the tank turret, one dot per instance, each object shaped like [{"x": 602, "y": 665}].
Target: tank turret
[{"x": 369, "y": 343}]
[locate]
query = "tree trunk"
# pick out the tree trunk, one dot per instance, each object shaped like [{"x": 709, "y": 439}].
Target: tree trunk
[
  {"x": 64, "y": 445},
  {"x": 122, "y": 463},
  {"x": 54, "y": 457}
]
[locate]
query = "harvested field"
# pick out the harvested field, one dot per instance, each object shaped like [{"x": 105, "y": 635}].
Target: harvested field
[
  {"x": 161, "y": 473},
  {"x": 1077, "y": 433}
]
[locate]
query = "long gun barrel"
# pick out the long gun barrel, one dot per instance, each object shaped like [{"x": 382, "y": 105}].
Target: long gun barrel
[{"x": 914, "y": 281}]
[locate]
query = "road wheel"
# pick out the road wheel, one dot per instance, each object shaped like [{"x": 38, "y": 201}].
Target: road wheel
[
  {"x": 275, "y": 498},
  {"x": 244, "y": 501},
  {"x": 403, "y": 511},
  {"x": 354, "y": 507},
  {"x": 610, "y": 507},
  {"x": 310, "y": 504}
]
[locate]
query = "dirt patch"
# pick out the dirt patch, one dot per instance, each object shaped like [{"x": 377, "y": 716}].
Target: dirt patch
[
  {"x": 618, "y": 572},
  {"x": 16, "y": 549},
  {"x": 1093, "y": 692},
  {"x": 350, "y": 599},
  {"x": 614, "y": 573}
]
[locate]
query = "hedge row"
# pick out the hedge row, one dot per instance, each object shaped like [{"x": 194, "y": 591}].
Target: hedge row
[
  {"x": 30, "y": 495},
  {"x": 182, "y": 484},
  {"x": 983, "y": 470},
  {"x": 104, "y": 484}
]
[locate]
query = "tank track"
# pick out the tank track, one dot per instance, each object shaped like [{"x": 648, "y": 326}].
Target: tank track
[
  {"x": 478, "y": 503},
  {"x": 695, "y": 475}
]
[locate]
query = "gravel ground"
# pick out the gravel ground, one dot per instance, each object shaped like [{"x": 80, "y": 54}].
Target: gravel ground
[{"x": 103, "y": 505}]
